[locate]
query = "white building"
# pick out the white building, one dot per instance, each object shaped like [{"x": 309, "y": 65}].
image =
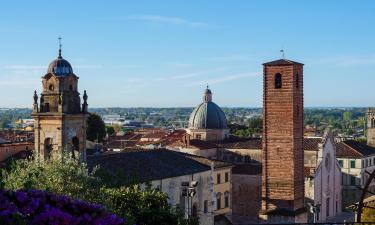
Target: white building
[{"x": 327, "y": 180}]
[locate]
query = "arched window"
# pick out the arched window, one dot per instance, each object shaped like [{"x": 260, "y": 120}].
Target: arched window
[
  {"x": 48, "y": 147},
  {"x": 75, "y": 146},
  {"x": 51, "y": 87},
  {"x": 278, "y": 82}
]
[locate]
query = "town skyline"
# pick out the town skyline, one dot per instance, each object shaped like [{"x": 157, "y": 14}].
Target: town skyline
[{"x": 140, "y": 55}]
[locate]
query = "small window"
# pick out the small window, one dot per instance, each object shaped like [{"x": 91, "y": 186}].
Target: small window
[
  {"x": 218, "y": 181},
  {"x": 51, "y": 87},
  {"x": 198, "y": 136},
  {"x": 341, "y": 163},
  {"x": 218, "y": 201},
  {"x": 226, "y": 202},
  {"x": 205, "y": 206},
  {"x": 71, "y": 87},
  {"x": 352, "y": 180},
  {"x": 278, "y": 82},
  {"x": 226, "y": 177},
  {"x": 352, "y": 163}
]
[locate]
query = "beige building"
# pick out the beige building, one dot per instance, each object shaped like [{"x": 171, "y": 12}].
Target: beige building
[
  {"x": 60, "y": 119},
  {"x": 8, "y": 149}
]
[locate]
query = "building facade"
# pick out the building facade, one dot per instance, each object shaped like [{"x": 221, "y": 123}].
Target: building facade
[
  {"x": 327, "y": 181},
  {"x": 60, "y": 119},
  {"x": 283, "y": 157}
]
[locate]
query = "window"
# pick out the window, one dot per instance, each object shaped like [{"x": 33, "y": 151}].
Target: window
[
  {"x": 218, "y": 201},
  {"x": 218, "y": 178},
  {"x": 71, "y": 87},
  {"x": 341, "y": 163},
  {"x": 278, "y": 82},
  {"x": 352, "y": 180},
  {"x": 205, "y": 206},
  {"x": 51, "y": 87},
  {"x": 226, "y": 199},
  {"x": 199, "y": 136},
  {"x": 226, "y": 177},
  {"x": 352, "y": 163}
]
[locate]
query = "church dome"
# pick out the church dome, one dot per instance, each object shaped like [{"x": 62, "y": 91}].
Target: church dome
[
  {"x": 60, "y": 66},
  {"x": 207, "y": 115}
]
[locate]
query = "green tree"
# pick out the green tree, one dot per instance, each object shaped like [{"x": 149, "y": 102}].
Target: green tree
[
  {"x": 65, "y": 176},
  {"x": 110, "y": 130},
  {"x": 95, "y": 128}
]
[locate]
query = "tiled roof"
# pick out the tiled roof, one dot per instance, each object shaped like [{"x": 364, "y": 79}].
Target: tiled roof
[
  {"x": 353, "y": 149},
  {"x": 147, "y": 165},
  {"x": 202, "y": 145},
  {"x": 155, "y": 135},
  {"x": 248, "y": 169},
  {"x": 281, "y": 62},
  {"x": 208, "y": 162},
  {"x": 311, "y": 144},
  {"x": 240, "y": 143}
]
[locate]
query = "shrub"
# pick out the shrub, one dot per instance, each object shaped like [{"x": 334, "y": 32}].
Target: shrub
[{"x": 42, "y": 208}]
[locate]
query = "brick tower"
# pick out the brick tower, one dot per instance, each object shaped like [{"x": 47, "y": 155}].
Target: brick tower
[
  {"x": 282, "y": 175},
  {"x": 60, "y": 119}
]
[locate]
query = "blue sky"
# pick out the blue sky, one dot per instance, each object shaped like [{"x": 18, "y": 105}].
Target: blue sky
[{"x": 163, "y": 53}]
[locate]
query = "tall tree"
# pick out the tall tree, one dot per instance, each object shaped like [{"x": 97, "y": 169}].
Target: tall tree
[{"x": 95, "y": 128}]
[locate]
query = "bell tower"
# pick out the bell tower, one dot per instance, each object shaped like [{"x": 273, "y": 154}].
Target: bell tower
[
  {"x": 60, "y": 119},
  {"x": 282, "y": 155},
  {"x": 371, "y": 127}
]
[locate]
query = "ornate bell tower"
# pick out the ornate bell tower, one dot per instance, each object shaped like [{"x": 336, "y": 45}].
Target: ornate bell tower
[
  {"x": 60, "y": 119},
  {"x": 283, "y": 157}
]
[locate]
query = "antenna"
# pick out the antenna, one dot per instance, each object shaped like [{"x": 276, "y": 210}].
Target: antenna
[
  {"x": 282, "y": 53},
  {"x": 60, "y": 45}
]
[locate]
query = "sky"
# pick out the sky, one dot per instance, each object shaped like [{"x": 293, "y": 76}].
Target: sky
[{"x": 164, "y": 53}]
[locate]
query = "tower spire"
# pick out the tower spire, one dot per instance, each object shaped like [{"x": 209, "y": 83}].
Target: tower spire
[
  {"x": 207, "y": 97},
  {"x": 60, "y": 45}
]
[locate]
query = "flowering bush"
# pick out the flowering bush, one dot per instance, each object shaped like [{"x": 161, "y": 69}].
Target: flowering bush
[{"x": 35, "y": 207}]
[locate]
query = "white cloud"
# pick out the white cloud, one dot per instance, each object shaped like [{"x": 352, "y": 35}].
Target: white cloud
[
  {"x": 229, "y": 58},
  {"x": 346, "y": 60},
  {"x": 167, "y": 20},
  {"x": 198, "y": 73},
  {"x": 224, "y": 78}
]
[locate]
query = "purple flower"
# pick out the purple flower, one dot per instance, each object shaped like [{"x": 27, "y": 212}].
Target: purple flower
[{"x": 40, "y": 207}]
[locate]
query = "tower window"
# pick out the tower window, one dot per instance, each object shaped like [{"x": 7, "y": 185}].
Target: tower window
[
  {"x": 51, "y": 87},
  {"x": 278, "y": 82},
  {"x": 71, "y": 87}
]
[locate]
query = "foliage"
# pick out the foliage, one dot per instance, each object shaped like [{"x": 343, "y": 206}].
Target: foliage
[
  {"x": 61, "y": 175},
  {"x": 368, "y": 214},
  {"x": 42, "y": 208},
  {"x": 148, "y": 207},
  {"x": 95, "y": 128},
  {"x": 253, "y": 126},
  {"x": 65, "y": 176},
  {"x": 110, "y": 130}
]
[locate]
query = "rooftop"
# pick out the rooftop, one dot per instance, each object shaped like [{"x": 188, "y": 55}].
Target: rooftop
[
  {"x": 148, "y": 165},
  {"x": 281, "y": 62},
  {"x": 353, "y": 149}
]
